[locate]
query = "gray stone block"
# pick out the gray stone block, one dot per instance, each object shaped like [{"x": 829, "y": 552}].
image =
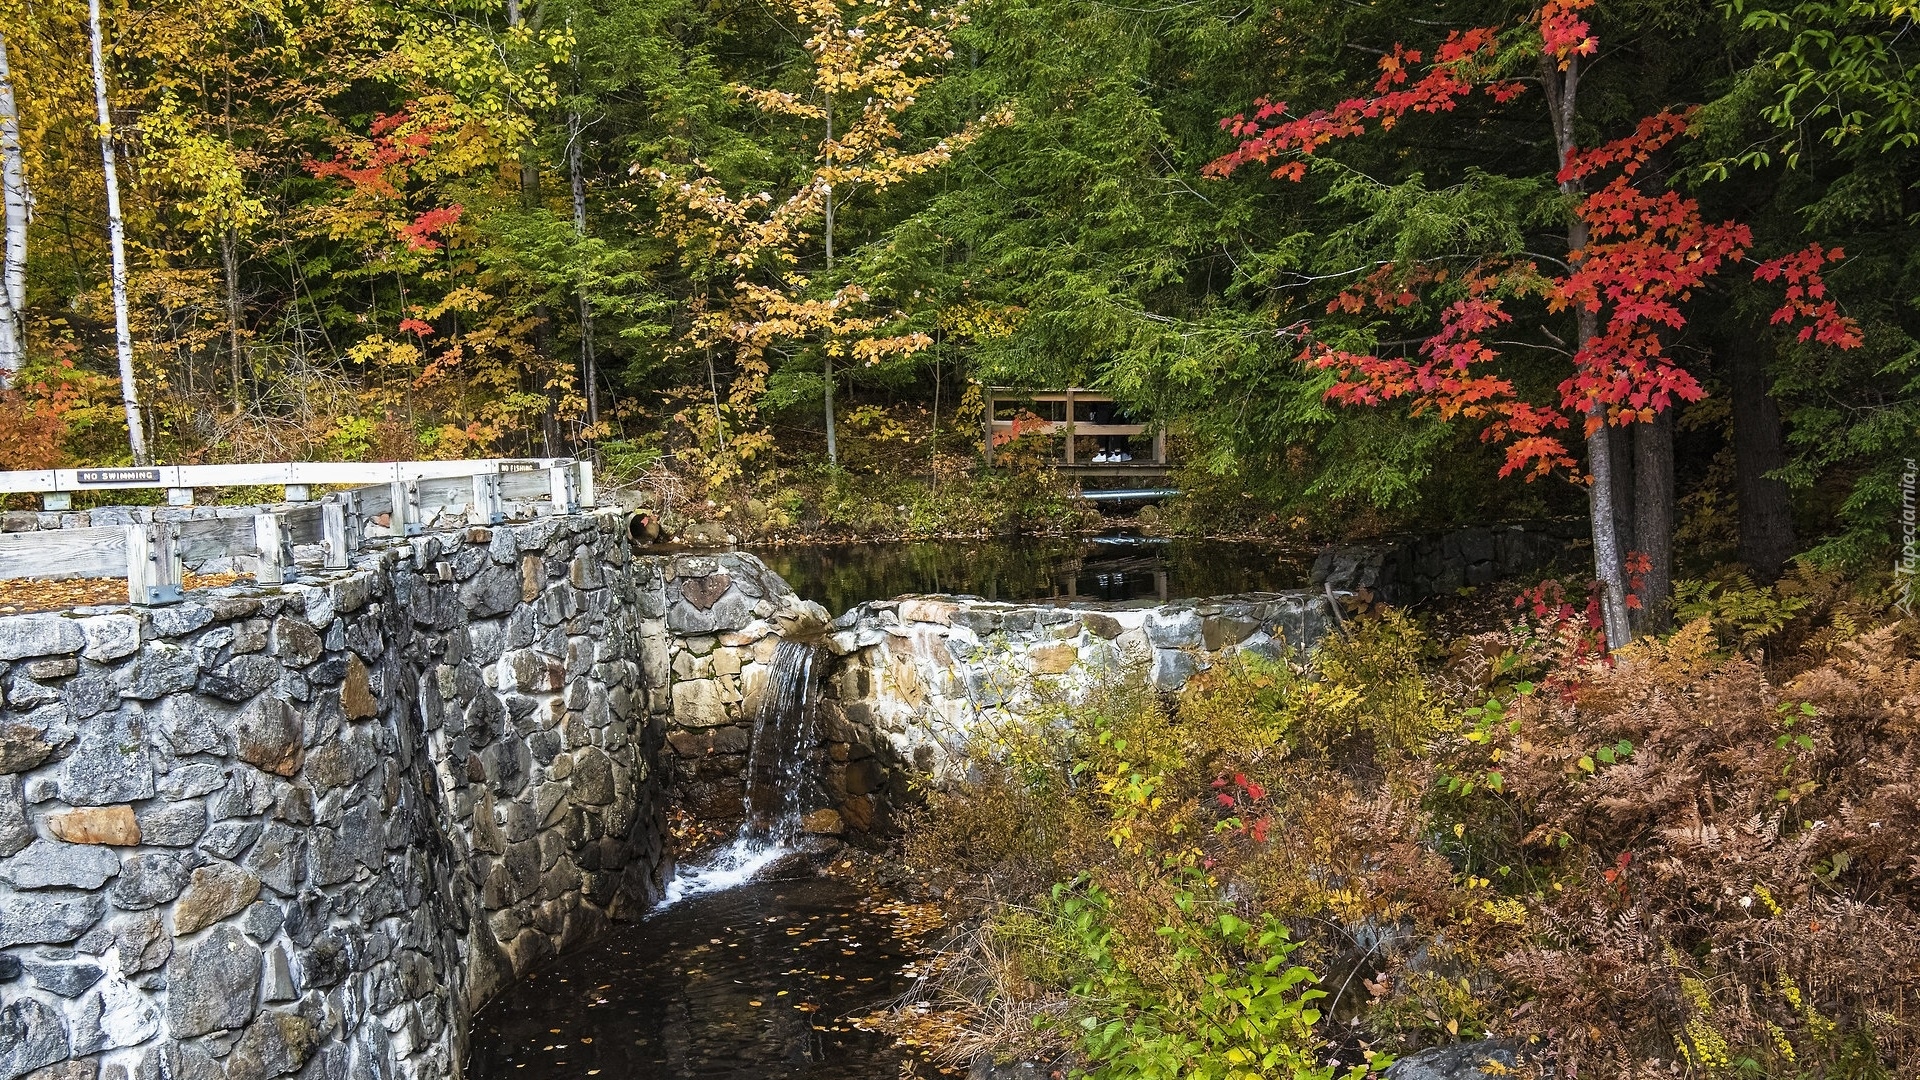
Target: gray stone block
[
  {"x": 148, "y": 880},
  {"x": 22, "y": 636},
  {"x": 32, "y": 1036},
  {"x": 49, "y": 864},
  {"x": 48, "y": 918},
  {"x": 212, "y": 984},
  {"x": 172, "y": 824}
]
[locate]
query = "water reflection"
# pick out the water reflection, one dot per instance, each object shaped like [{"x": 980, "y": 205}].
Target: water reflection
[
  {"x": 758, "y": 981},
  {"x": 1110, "y": 568}
]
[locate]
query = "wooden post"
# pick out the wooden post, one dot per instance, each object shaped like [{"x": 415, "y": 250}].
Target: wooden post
[
  {"x": 583, "y": 484},
  {"x": 1070, "y": 455},
  {"x": 986, "y": 397},
  {"x": 276, "y": 554},
  {"x": 1160, "y": 445},
  {"x": 299, "y": 492},
  {"x": 153, "y": 564},
  {"x": 179, "y": 496},
  {"x": 54, "y": 501},
  {"x": 486, "y": 500},
  {"x": 560, "y": 481},
  {"x": 335, "y": 554},
  {"x": 404, "y": 517}
]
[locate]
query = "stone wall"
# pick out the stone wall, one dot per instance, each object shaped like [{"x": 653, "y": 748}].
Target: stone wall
[
  {"x": 1404, "y": 569},
  {"x": 308, "y": 830},
  {"x": 916, "y": 676},
  {"x": 709, "y": 626}
]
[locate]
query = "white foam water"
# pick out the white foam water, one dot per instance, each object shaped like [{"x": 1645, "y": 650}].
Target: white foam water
[{"x": 736, "y": 864}]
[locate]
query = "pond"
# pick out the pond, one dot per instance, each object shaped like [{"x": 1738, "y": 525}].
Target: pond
[
  {"x": 1118, "y": 568},
  {"x": 761, "y": 980}
]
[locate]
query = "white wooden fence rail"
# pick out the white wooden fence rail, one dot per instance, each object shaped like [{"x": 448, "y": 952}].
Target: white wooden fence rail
[{"x": 401, "y": 498}]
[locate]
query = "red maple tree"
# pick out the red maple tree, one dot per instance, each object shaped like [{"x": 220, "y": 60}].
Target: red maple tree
[{"x": 1636, "y": 255}]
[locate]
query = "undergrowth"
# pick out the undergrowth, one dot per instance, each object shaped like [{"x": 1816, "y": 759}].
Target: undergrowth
[{"x": 1694, "y": 857}]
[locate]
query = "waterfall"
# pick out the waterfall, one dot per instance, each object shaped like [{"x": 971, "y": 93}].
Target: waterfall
[{"x": 776, "y": 779}]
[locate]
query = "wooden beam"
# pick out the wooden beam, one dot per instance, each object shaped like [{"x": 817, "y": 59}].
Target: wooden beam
[
  {"x": 335, "y": 555},
  {"x": 279, "y": 474},
  {"x": 64, "y": 553}
]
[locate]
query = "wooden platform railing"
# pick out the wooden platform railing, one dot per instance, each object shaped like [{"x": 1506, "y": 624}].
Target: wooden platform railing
[
  {"x": 152, "y": 555},
  {"x": 1069, "y": 426}
]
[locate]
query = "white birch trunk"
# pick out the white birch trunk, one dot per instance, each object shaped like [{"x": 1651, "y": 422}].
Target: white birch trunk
[
  {"x": 116, "y": 234},
  {"x": 19, "y": 205},
  {"x": 833, "y": 448},
  {"x": 1608, "y": 567}
]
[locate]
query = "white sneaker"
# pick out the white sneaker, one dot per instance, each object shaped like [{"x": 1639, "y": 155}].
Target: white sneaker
[
  {"x": 1122, "y": 456},
  {"x": 1100, "y": 458}
]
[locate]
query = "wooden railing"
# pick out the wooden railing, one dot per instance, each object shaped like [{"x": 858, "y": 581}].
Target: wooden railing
[
  {"x": 414, "y": 494},
  {"x": 1070, "y": 426}
]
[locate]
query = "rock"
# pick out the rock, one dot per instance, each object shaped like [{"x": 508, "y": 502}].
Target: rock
[
  {"x": 1171, "y": 669},
  {"x": 275, "y": 1044},
  {"x": 229, "y": 838},
  {"x": 294, "y": 642},
  {"x": 279, "y": 977},
  {"x": 109, "y": 762},
  {"x": 162, "y": 668},
  {"x": 1461, "y": 1061},
  {"x": 704, "y": 592},
  {"x": 263, "y": 920},
  {"x": 49, "y": 864},
  {"x": 699, "y": 703},
  {"x": 187, "y": 1062},
  {"x": 190, "y": 726},
  {"x": 10, "y": 967},
  {"x": 268, "y": 734},
  {"x": 179, "y": 620},
  {"x": 356, "y": 694},
  {"x": 212, "y": 984},
  {"x": 1173, "y": 628},
  {"x": 172, "y": 824},
  {"x": 15, "y": 833},
  {"x": 22, "y": 746},
  {"x": 148, "y": 880},
  {"x": 1056, "y": 659},
  {"x": 114, "y": 825},
  {"x": 31, "y": 1036},
  {"x": 280, "y": 858},
  {"x": 48, "y": 918},
  {"x": 241, "y": 678},
  {"x": 110, "y": 637},
  {"x": 69, "y": 978},
  {"x": 823, "y": 822},
  {"x": 592, "y": 777},
  {"x": 215, "y": 891},
  {"x": 22, "y": 636},
  {"x": 493, "y": 591},
  {"x": 1102, "y": 626}
]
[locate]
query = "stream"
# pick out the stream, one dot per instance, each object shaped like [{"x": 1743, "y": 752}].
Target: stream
[
  {"x": 757, "y": 964},
  {"x": 759, "y": 980}
]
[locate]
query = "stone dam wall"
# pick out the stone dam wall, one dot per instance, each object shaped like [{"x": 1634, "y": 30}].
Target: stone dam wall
[{"x": 308, "y": 830}]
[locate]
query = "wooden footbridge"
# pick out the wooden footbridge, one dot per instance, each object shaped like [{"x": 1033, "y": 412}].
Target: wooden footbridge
[
  {"x": 1070, "y": 416},
  {"x": 369, "y": 500}
]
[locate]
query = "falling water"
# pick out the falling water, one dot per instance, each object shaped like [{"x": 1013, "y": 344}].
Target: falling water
[{"x": 776, "y": 781}]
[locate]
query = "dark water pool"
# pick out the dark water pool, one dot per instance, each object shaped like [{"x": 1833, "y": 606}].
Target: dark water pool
[
  {"x": 1113, "y": 568},
  {"x": 761, "y": 980}
]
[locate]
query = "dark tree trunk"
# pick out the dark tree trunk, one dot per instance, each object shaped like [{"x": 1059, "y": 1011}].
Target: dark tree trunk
[
  {"x": 1653, "y": 520},
  {"x": 1767, "y": 541},
  {"x": 1620, "y": 440}
]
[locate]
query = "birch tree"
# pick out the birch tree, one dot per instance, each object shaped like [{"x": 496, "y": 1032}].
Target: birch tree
[
  {"x": 116, "y": 237},
  {"x": 13, "y": 264}
]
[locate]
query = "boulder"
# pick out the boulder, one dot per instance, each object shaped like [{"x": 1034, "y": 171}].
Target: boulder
[{"x": 212, "y": 984}]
